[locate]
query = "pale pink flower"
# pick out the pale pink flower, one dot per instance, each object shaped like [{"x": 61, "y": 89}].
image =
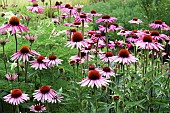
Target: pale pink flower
[
  {"x": 106, "y": 72},
  {"x": 16, "y": 97},
  {"x": 37, "y": 108},
  {"x": 135, "y": 21},
  {"x": 38, "y": 63},
  {"x": 52, "y": 60},
  {"x": 158, "y": 24},
  {"x": 11, "y": 77},
  {"x": 44, "y": 94},
  {"x": 106, "y": 57},
  {"x": 124, "y": 57},
  {"x": 24, "y": 53},
  {"x": 14, "y": 26},
  {"x": 35, "y": 8},
  {"x": 94, "y": 79},
  {"x": 106, "y": 18}
]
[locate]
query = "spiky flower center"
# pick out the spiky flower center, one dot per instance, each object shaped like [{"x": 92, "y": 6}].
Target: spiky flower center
[
  {"x": 106, "y": 17},
  {"x": 40, "y": 59},
  {"x": 72, "y": 30},
  {"x": 93, "y": 11},
  {"x": 77, "y": 23},
  {"x": 93, "y": 75},
  {"x": 123, "y": 53},
  {"x": 77, "y": 37},
  {"x": 16, "y": 93},
  {"x": 154, "y": 33},
  {"x": 106, "y": 69},
  {"x": 24, "y": 50},
  {"x": 134, "y": 31},
  {"x": 135, "y": 19},
  {"x": 83, "y": 16},
  {"x": 91, "y": 67},
  {"x": 158, "y": 22},
  {"x": 37, "y": 107},
  {"x": 57, "y": 3},
  {"x": 115, "y": 24},
  {"x": 35, "y": 5},
  {"x": 14, "y": 21},
  {"x": 82, "y": 54},
  {"x": 134, "y": 36},
  {"x": 97, "y": 35},
  {"x": 147, "y": 38},
  {"x": 70, "y": 7},
  {"x": 109, "y": 54},
  {"x": 52, "y": 57},
  {"x": 44, "y": 89},
  {"x": 67, "y": 5}
]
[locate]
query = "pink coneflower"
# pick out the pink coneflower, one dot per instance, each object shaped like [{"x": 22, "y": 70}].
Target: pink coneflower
[
  {"x": 157, "y": 36},
  {"x": 83, "y": 17},
  {"x": 111, "y": 44},
  {"x": 124, "y": 33},
  {"x": 14, "y": 26},
  {"x": 97, "y": 36},
  {"x": 107, "y": 57},
  {"x": 38, "y": 63},
  {"x": 148, "y": 43},
  {"x": 124, "y": 57},
  {"x": 16, "y": 97},
  {"x": 31, "y": 38},
  {"x": 94, "y": 78},
  {"x": 134, "y": 38},
  {"x": 106, "y": 18},
  {"x": 57, "y": 98},
  {"x": 158, "y": 24},
  {"x": 35, "y": 8},
  {"x": 106, "y": 72},
  {"x": 11, "y": 77},
  {"x": 44, "y": 94},
  {"x": 93, "y": 13},
  {"x": 57, "y": 5},
  {"x": 115, "y": 26},
  {"x": 85, "y": 56},
  {"x": 52, "y": 60},
  {"x": 3, "y": 41},
  {"x": 76, "y": 59},
  {"x": 31, "y": 0},
  {"x": 37, "y": 108},
  {"x": 135, "y": 21},
  {"x": 77, "y": 40},
  {"x": 65, "y": 8},
  {"x": 24, "y": 53}
]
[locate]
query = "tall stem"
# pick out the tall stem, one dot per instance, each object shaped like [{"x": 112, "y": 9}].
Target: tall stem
[
  {"x": 4, "y": 59},
  {"x": 107, "y": 37},
  {"x": 95, "y": 88},
  {"x": 26, "y": 71},
  {"x": 16, "y": 48}
]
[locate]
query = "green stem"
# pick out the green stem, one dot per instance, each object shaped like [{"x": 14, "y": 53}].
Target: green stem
[
  {"x": 16, "y": 48},
  {"x": 107, "y": 37},
  {"x": 17, "y": 109},
  {"x": 26, "y": 71},
  {"x": 95, "y": 88},
  {"x": 93, "y": 23},
  {"x": 4, "y": 59}
]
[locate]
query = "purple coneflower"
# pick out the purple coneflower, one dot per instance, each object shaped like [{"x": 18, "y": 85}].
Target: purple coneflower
[
  {"x": 57, "y": 5},
  {"x": 107, "y": 57},
  {"x": 148, "y": 43},
  {"x": 106, "y": 18},
  {"x": 52, "y": 60},
  {"x": 76, "y": 59},
  {"x": 35, "y": 8},
  {"x": 124, "y": 57},
  {"x": 44, "y": 94},
  {"x": 24, "y": 53},
  {"x": 77, "y": 40},
  {"x": 31, "y": 38},
  {"x": 134, "y": 38},
  {"x": 16, "y": 97},
  {"x": 11, "y": 77},
  {"x": 93, "y": 13},
  {"x": 97, "y": 36},
  {"x": 83, "y": 17},
  {"x": 106, "y": 72},
  {"x": 13, "y": 25},
  {"x": 38, "y": 63},
  {"x": 158, "y": 24},
  {"x": 37, "y": 108},
  {"x": 3, "y": 41},
  {"x": 157, "y": 36},
  {"x": 94, "y": 78},
  {"x": 135, "y": 21}
]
